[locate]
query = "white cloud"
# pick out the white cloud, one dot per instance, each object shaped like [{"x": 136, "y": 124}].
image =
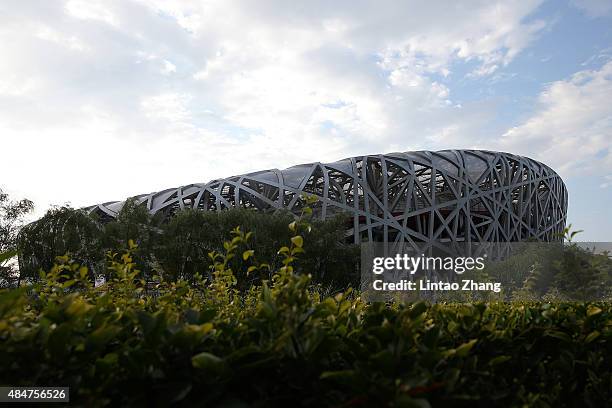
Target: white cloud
[
  {"x": 91, "y": 10},
  {"x": 492, "y": 33},
  {"x": 572, "y": 127},
  {"x": 49, "y": 34},
  {"x": 14, "y": 85},
  {"x": 121, "y": 97},
  {"x": 168, "y": 107},
  {"x": 168, "y": 68}
]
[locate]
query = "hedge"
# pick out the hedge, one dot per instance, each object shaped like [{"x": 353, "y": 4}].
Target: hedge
[{"x": 282, "y": 342}]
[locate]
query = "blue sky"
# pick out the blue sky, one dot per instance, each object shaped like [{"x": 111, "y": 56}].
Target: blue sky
[
  {"x": 575, "y": 41},
  {"x": 100, "y": 100}
]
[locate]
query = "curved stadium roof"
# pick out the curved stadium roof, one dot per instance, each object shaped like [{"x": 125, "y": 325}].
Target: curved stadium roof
[{"x": 420, "y": 196}]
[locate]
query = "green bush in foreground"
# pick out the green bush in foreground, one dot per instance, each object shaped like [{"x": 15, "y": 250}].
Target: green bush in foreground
[{"x": 281, "y": 342}]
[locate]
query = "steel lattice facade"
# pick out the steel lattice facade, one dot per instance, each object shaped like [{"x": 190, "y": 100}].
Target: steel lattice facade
[{"x": 423, "y": 199}]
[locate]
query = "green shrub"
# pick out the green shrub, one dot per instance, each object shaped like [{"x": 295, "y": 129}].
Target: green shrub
[
  {"x": 573, "y": 273},
  {"x": 282, "y": 342}
]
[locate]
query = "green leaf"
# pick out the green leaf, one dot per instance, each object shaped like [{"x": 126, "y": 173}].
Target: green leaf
[
  {"x": 341, "y": 376},
  {"x": 499, "y": 360},
  {"x": 102, "y": 335},
  {"x": 418, "y": 309},
  {"x": 465, "y": 348},
  {"x": 78, "y": 307},
  {"x": 592, "y": 336},
  {"x": 558, "y": 335},
  {"x": 83, "y": 272},
  {"x": 298, "y": 241},
  {"x": 593, "y": 310},
  {"x": 68, "y": 283},
  {"x": 247, "y": 254},
  {"x": 202, "y": 329},
  {"x": 208, "y": 362},
  {"x": 12, "y": 300},
  {"x": 297, "y": 250}
]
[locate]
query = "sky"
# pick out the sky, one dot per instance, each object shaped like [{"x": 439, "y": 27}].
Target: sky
[{"x": 102, "y": 100}]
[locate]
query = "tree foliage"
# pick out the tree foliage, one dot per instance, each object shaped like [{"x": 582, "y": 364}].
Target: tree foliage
[
  {"x": 190, "y": 235},
  {"x": 60, "y": 231},
  {"x": 11, "y": 220},
  {"x": 178, "y": 247}
]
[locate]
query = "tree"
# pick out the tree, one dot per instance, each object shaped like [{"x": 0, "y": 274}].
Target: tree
[
  {"x": 61, "y": 231},
  {"x": 177, "y": 247},
  {"x": 188, "y": 237},
  {"x": 85, "y": 239},
  {"x": 11, "y": 221},
  {"x": 134, "y": 223}
]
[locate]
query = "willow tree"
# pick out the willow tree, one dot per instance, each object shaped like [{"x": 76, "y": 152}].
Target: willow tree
[{"x": 61, "y": 231}]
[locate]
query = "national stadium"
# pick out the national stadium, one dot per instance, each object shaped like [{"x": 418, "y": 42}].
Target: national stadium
[{"x": 422, "y": 199}]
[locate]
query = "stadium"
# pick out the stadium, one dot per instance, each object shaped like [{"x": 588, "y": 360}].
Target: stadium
[{"x": 422, "y": 199}]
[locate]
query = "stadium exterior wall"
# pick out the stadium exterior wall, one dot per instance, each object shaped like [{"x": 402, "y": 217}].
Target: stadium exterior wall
[{"x": 422, "y": 199}]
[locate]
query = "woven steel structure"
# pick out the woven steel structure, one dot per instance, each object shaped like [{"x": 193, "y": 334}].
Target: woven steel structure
[{"x": 423, "y": 199}]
